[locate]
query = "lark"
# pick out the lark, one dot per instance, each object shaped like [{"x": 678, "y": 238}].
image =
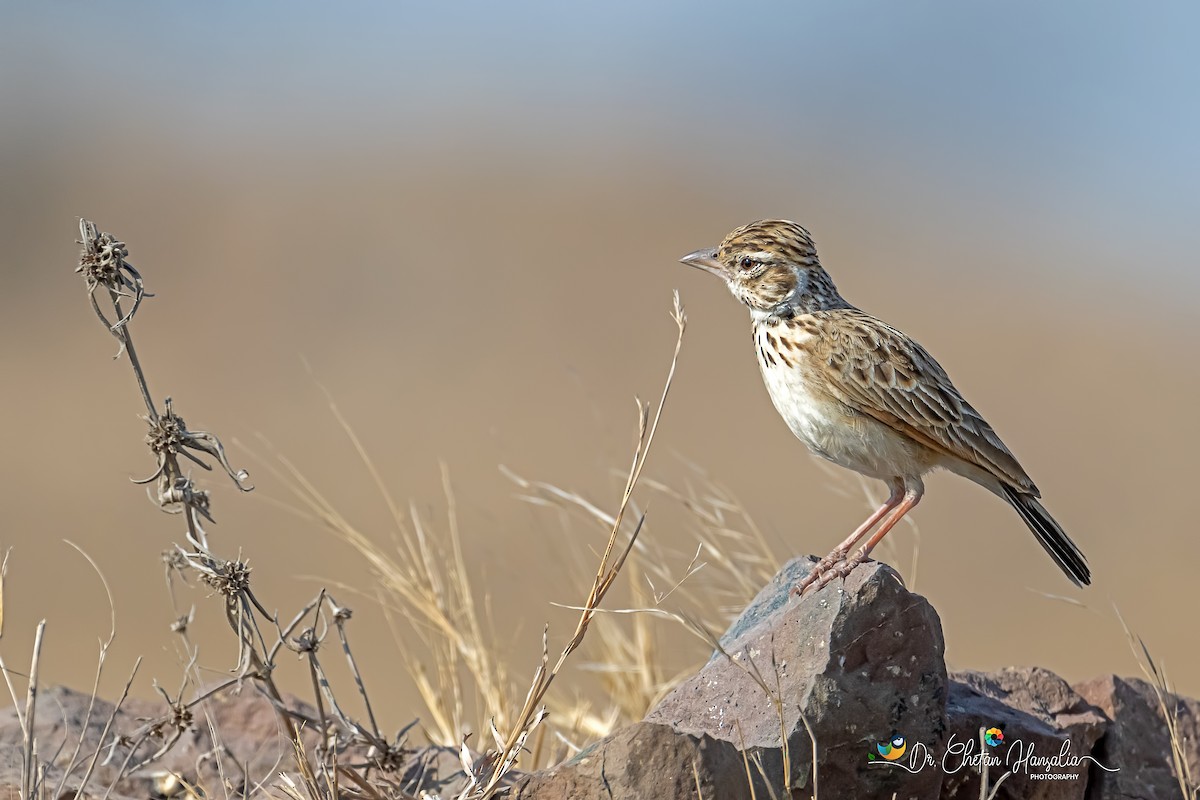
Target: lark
[{"x": 863, "y": 395}]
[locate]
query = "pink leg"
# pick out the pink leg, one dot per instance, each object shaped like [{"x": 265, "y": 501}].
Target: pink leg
[
  {"x": 911, "y": 497},
  {"x": 839, "y": 552}
]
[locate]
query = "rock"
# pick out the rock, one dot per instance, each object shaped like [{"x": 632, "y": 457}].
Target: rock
[
  {"x": 643, "y": 760},
  {"x": 1037, "y": 714},
  {"x": 1137, "y": 742},
  {"x": 254, "y": 748},
  {"x": 860, "y": 664},
  {"x": 860, "y": 661},
  {"x": 249, "y": 727}
]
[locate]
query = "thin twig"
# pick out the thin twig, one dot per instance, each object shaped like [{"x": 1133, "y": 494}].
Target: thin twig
[
  {"x": 100, "y": 660},
  {"x": 28, "y": 777},
  {"x": 87, "y": 775},
  {"x": 609, "y": 567}
]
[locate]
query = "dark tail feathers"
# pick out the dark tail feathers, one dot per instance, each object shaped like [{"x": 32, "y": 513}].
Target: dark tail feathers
[{"x": 1051, "y": 536}]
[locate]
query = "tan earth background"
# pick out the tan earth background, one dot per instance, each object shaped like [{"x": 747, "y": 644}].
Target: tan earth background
[{"x": 466, "y": 222}]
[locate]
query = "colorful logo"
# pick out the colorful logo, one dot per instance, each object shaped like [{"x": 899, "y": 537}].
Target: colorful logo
[
  {"x": 993, "y": 737},
  {"x": 890, "y": 750}
]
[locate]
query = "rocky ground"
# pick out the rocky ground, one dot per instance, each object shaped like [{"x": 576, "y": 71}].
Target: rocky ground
[{"x": 858, "y": 669}]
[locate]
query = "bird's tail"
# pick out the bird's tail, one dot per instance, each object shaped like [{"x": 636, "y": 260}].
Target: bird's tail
[{"x": 1050, "y": 535}]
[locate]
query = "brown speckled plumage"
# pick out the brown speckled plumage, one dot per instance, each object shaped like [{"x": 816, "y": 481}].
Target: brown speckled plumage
[{"x": 864, "y": 395}]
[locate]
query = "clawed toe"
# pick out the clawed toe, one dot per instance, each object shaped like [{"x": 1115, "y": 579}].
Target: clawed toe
[
  {"x": 839, "y": 570},
  {"x": 828, "y": 570},
  {"x": 817, "y": 574}
]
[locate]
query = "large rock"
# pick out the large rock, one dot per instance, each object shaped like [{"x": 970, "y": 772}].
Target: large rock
[
  {"x": 643, "y": 760},
  {"x": 1137, "y": 742},
  {"x": 860, "y": 661},
  {"x": 863, "y": 660}
]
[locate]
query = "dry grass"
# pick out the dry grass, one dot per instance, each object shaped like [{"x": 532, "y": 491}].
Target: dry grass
[
  {"x": 464, "y": 686},
  {"x": 454, "y": 665},
  {"x": 1168, "y": 707}
]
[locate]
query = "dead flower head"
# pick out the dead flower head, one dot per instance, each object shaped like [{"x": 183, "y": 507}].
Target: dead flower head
[
  {"x": 102, "y": 264},
  {"x": 169, "y": 438},
  {"x": 230, "y": 578}
]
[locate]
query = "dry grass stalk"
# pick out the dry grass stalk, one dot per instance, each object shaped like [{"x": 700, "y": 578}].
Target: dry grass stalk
[
  {"x": 100, "y": 661},
  {"x": 426, "y": 580},
  {"x": 1168, "y": 706},
  {"x": 611, "y": 561},
  {"x": 711, "y": 584},
  {"x": 29, "y": 782}
]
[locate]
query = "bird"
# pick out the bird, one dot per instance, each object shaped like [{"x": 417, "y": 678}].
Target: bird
[{"x": 862, "y": 394}]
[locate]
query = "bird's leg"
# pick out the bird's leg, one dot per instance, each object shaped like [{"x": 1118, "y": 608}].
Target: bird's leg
[
  {"x": 912, "y": 496},
  {"x": 839, "y": 552}
]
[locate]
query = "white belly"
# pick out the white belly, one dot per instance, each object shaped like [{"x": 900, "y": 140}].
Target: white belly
[{"x": 835, "y": 432}]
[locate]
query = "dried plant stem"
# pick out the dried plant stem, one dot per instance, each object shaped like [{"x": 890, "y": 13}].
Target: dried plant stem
[
  {"x": 87, "y": 775},
  {"x": 28, "y": 774},
  {"x": 100, "y": 661},
  {"x": 3, "y": 575},
  {"x": 340, "y": 624},
  {"x": 607, "y": 571},
  {"x": 109, "y": 275},
  {"x": 143, "y": 386},
  {"x": 1164, "y": 695}
]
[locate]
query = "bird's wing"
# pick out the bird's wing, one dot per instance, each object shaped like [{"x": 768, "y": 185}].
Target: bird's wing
[{"x": 878, "y": 371}]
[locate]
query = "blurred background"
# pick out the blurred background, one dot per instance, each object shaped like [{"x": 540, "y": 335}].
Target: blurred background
[{"x": 465, "y": 219}]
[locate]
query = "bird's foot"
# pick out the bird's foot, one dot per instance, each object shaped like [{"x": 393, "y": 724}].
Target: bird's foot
[
  {"x": 840, "y": 570},
  {"x": 817, "y": 574},
  {"x": 828, "y": 569}
]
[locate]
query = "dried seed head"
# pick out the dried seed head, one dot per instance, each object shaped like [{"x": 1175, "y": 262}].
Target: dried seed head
[
  {"x": 103, "y": 256},
  {"x": 181, "y": 717},
  {"x": 230, "y": 578},
  {"x": 169, "y": 438},
  {"x": 167, "y": 434},
  {"x": 102, "y": 264}
]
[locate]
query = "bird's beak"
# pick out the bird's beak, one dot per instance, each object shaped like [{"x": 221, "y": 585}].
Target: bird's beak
[{"x": 705, "y": 260}]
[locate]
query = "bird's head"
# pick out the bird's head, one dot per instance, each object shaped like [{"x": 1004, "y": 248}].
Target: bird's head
[{"x": 770, "y": 265}]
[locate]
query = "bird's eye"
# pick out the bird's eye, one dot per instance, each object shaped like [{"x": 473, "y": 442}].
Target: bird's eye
[{"x": 746, "y": 262}]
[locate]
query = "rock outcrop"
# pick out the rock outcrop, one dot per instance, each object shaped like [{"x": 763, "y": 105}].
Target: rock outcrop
[
  {"x": 862, "y": 663},
  {"x": 856, "y": 668},
  {"x": 857, "y": 665}
]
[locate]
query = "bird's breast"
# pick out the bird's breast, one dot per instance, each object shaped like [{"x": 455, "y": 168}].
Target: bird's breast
[
  {"x": 788, "y": 374},
  {"x": 800, "y": 387}
]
